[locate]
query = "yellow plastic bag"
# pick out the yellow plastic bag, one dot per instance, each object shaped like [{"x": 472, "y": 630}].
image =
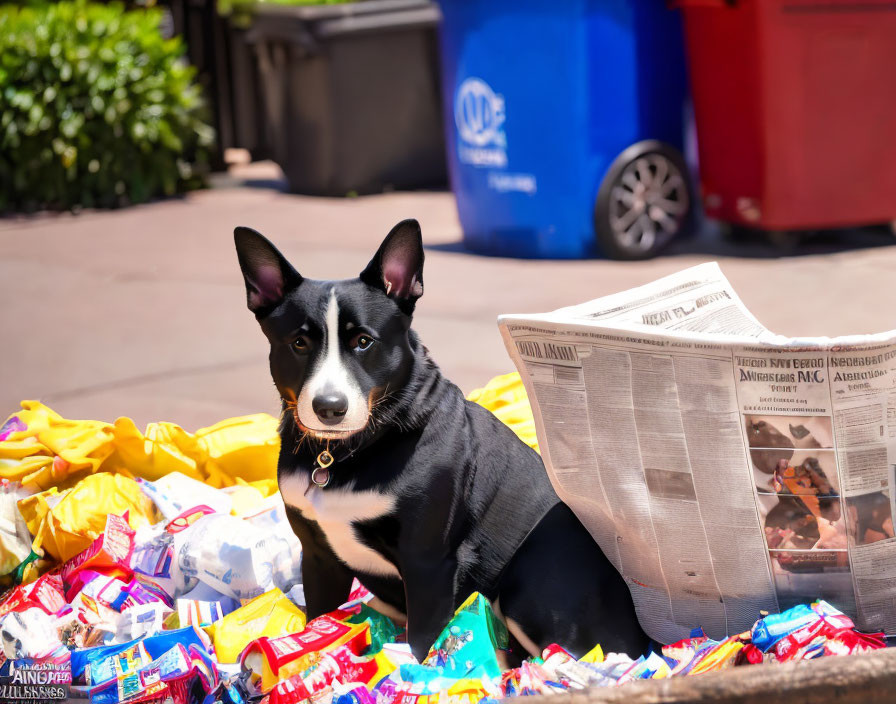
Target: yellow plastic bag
[
  {"x": 162, "y": 449},
  {"x": 505, "y": 396},
  {"x": 271, "y": 614},
  {"x": 51, "y": 447},
  {"x": 66, "y": 523},
  {"x": 55, "y": 452},
  {"x": 246, "y": 447}
]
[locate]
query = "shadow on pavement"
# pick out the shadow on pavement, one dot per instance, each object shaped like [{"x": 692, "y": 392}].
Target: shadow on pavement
[{"x": 717, "y": 240}]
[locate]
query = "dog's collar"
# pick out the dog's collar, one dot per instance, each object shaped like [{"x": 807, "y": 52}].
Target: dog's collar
[{"x": 321, "y": 472}]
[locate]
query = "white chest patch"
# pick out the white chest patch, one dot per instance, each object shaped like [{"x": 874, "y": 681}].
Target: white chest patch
[{"x": 336, "y": 511}]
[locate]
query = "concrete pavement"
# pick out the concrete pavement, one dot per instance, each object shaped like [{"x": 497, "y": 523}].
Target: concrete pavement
[{"x": 141, "y": 311}]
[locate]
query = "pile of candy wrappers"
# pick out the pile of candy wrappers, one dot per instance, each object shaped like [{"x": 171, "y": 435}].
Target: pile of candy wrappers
[{"x": 125, "y": 588}]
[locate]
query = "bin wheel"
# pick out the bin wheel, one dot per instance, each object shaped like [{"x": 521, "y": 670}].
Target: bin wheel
[{"x": 643, "y": 202}]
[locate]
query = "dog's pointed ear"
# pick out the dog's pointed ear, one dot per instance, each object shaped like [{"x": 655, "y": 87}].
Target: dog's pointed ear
[
  {"x": 269, "y": 277},
  {"x": 397, "y": 267}
]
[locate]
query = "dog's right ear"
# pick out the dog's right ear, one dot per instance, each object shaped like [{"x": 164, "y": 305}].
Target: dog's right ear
[{"x": 269, "y": 277}]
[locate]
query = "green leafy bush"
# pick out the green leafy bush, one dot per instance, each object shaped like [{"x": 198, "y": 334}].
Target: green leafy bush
[
  {"x": 241, "y": 10},
  {"x": 96, "y": 108}
]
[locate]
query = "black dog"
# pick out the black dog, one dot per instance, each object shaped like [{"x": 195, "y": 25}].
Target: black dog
[{"x": 390, "y": 475}]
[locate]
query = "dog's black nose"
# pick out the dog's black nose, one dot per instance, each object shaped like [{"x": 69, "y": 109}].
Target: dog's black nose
[{"x": 330, "y": 406}]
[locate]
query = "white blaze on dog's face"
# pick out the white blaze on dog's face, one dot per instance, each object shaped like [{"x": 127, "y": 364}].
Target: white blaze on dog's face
[{"x": 331, "y": 403}]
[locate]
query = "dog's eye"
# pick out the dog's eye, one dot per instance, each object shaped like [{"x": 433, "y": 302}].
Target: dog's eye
[
  {"x": 300, "y": 344},
  {"x": 362, "y": 342}
]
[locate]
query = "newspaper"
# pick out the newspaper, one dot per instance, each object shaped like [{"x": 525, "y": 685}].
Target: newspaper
[{"x": 723, "y": 469}]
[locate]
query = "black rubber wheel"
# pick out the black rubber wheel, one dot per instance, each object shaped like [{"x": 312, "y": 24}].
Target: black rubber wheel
[{"x": 644, "y": 201}]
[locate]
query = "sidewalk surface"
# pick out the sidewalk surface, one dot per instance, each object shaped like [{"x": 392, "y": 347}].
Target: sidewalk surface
[{"x": 141, "y": 311}]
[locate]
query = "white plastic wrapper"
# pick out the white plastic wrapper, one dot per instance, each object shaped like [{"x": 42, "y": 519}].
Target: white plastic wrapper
[
  {"x": 297, "y": 596},
  {"x": 29, "y": 634},
  {"x": 230, "y": 555},
  {"x": 220, "y": 556},
  {"x": 139, "y": 621},
  {"x": 155, "y": 555},
  {"x": 175, "y": 493},
  {"x": 203, "y": 592},
  {"x": 15, "y": 540},
  {"x": 271, "y": 520}
]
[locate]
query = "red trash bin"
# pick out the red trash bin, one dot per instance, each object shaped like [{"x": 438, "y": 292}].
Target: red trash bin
[{"x": 795, "y": 106}]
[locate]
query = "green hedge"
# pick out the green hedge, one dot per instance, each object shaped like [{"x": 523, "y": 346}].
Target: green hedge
[
  {"x": 242, "y": 9},
  {"x": 96, "y": 108}
]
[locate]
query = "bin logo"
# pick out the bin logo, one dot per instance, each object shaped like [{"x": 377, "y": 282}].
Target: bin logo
[{"x": 479, "y": 115}]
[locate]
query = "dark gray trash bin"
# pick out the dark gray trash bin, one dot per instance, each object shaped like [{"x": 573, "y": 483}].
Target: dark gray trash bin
[{"x": 352, "y": 96}]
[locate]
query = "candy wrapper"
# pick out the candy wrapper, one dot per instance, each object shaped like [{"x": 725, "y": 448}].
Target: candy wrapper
[
  {"x": 769, "y": 630},
  {"x": 45, "y": 594},
  {"x": 109, "y": 554},
  {"x": 140, "y": 621},
  {"x": 275, "y": 659},
  {"x": 338, "y": 666},
  {"x": 352, "y": 694},
  {"x": 382, "y": 629},
  {"x": 170, "y": 676},
  {"x": 466, "y": 646},
  {"x": 97, "y": 666},
  {"x": 156, "y": 549},
  {"x": 270, "y": 614},
  {"x": 269, "y": 517}
]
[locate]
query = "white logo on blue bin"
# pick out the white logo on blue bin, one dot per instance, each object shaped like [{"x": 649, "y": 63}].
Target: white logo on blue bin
[{"x": 479, "y": 113}]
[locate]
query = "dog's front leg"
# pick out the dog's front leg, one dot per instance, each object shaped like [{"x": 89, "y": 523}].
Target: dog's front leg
[
  {"x": 429, "y": 595},
  {"x": 325, "y": 578}
]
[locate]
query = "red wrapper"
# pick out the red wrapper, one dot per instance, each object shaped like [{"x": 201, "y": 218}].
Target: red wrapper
[
  {"x": 48, "y": 592},
  {"x": 749, "y": 655},
  {"x": 848, "y": 642},
  {"x": 278, "y": 658},
  {"x": 786, "y": 648},
  {"x": 44, "y": 594},
  {"x": 341, "y": 665},
  {"x": 110, "y": 553}
]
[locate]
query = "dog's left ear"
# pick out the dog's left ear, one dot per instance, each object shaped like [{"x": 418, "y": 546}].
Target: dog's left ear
[{"x": 397, "y": 267}]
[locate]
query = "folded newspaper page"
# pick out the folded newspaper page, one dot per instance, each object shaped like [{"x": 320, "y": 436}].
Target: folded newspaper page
[{"x": 723, "y": 469}]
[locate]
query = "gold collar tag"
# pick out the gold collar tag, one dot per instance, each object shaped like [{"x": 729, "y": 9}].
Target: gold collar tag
[{"x": 321, "y": 474}]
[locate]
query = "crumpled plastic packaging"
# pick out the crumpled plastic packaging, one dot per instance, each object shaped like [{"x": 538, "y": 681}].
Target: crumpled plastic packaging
[
  {"x": 15, "y": 539},
  {"x": 230, "y": 555},
  {"x": 270, "y": 614},
  {"x": 275, "y": 659},
  {"x": 40, "y": 448},
  {"x": 505, "y": 396},
  {"x": 269, "y": 517},
  {"x": 143, "y": 620},
  {"x": 466, "y": 646},
  {"x": 30, "y": 633},
  {"x": 176, "y": 493},
  {"x": 66, "y": 523}
]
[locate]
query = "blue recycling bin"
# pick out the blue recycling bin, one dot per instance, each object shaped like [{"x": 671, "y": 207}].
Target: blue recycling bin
[{"x": 565, "y": 125}]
